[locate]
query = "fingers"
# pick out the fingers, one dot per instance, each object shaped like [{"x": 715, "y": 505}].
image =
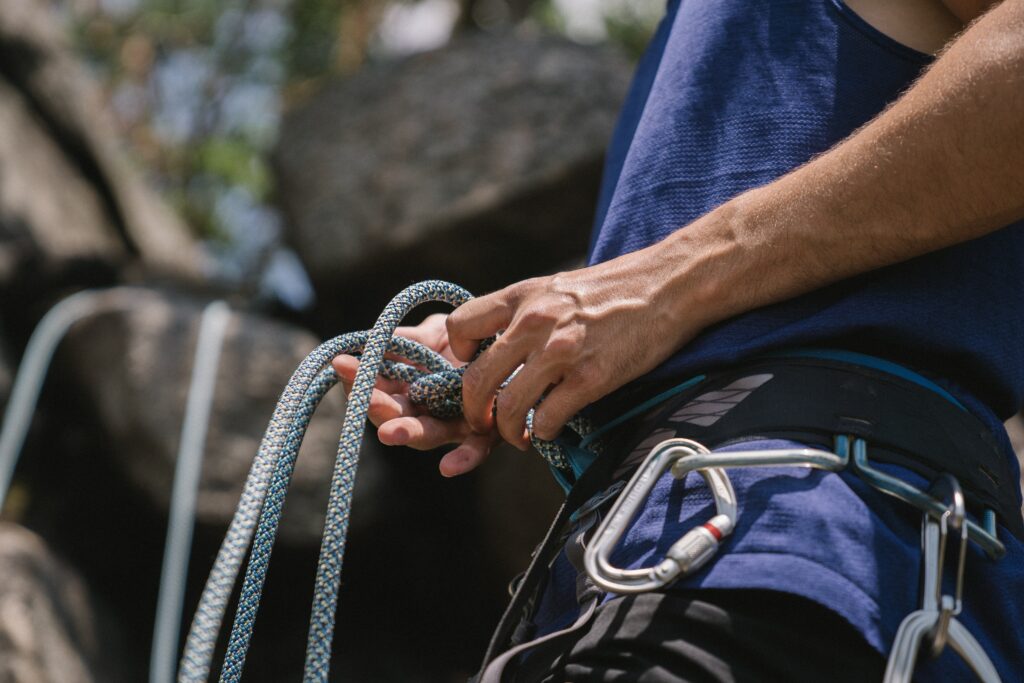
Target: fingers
[
  {"x": 468, "y": 455},
  {"x": 422, "y": 432},
  {"x": 346, "y": 367},
  {"x": 522, "y": 394},
  {"x": 484, "y": 375},
  {"x": 476, "y": 320},
  {"x": 387, "y": 401},
  {"x": 564, "y": 401},
  {"x": 431, "y": 332},
  {"x": 400, "y": 423}
]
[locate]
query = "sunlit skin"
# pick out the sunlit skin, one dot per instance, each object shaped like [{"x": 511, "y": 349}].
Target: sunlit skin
[{"x": 940, "y": 166}]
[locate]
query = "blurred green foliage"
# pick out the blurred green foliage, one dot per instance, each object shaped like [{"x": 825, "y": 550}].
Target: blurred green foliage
[
  {"x": 197, "y": 86},
  {"x": 311, "y": 50}
]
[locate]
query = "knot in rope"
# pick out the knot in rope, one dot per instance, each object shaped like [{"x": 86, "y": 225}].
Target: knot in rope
[{"x": 439, "y": 392}]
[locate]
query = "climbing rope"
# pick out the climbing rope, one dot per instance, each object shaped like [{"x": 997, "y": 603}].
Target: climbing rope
[{"x": 437, "y": 387}]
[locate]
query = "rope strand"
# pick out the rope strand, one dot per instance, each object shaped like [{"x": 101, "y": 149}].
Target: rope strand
[{"x": 438, "y": 388}]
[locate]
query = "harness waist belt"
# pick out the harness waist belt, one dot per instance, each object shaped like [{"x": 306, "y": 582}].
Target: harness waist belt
[{"x": 812, "y": 400}]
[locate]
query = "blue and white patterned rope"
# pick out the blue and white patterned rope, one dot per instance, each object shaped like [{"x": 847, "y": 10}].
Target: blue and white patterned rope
[{"x": 438, "y": 388}]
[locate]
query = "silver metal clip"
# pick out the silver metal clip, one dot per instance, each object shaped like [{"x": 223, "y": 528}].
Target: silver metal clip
[
  {"x": 699, "y": 544},
  {"x": 935, "y": 624}
]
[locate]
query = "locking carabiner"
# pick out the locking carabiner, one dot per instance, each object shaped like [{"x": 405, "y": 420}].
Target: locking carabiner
[
  {"x": 691, "y": 551},
  {"x": 699, "y": 544}
]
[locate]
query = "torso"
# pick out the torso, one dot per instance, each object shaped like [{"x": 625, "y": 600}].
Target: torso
[{"x": 925, "y": 25}]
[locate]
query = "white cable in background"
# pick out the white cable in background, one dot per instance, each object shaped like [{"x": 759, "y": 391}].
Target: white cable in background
[{"x": 181, "y": 518}]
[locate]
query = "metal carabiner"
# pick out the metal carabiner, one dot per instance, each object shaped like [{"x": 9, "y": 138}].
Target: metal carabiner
[
  {"x": 698, "y": 545},
  {"x": 935, "y": 623},
  {"x": 946, "y": 488},
  {"x": 691, "y": 551}
]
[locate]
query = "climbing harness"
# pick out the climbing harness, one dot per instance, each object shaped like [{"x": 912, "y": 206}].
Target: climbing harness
[
  {"x": 943, "y": 509},
  {"x": 21, "y": 406},
  {"x": 438, "y": 387},
  {"x": 725, "y": 408}
]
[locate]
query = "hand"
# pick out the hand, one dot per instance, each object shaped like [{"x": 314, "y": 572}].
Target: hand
[
  {"x": 400, "y": 423},
  {"x": 574, "y": 338}
]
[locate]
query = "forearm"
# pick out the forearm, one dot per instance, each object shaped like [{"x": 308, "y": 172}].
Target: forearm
[{"x": 943, "y": 165}]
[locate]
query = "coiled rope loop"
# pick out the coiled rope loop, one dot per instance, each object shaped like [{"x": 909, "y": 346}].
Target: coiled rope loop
[{"x": 437, "y": 387}]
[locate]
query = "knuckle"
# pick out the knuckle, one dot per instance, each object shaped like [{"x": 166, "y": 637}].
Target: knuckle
[
  {"x": 522, "y": 289},
  {"x": 586, "y": 375},
  {"x": 507, "y": 404},
  {"x": 537, "y": 316},
  {"x": 547, "y": 423},
  {"x": 454, "y": 321},
  {"x": 567, "y": 342}
]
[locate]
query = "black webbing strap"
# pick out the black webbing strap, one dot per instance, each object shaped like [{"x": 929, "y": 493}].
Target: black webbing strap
[
  {"x": 811, "y": 401},
  {"x": 590, "y": 482},
  {"x": 903, "y": 423}
]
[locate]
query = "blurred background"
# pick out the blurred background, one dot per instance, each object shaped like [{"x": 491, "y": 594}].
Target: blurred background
[{"x": 303, "y": 160}]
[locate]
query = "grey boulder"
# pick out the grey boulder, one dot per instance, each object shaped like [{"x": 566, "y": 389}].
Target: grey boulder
[
  {"x": 47, "y": 626},
  {"x": 478, "y": 162},
  {"x": 133, "y": 366},
  {"x": 67, "y": 192}
]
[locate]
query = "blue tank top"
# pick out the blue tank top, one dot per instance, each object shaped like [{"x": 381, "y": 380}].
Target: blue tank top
[{"x": 732, "y": 94}]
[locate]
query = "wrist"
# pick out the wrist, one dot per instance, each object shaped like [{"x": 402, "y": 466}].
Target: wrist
[{"x": 715, "y": 263}]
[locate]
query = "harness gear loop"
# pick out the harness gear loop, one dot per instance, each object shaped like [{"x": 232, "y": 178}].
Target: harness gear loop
[
  {"x": 935, "y": 623},
  {"x": 698, "y": 545},
  {"x": 984, "y": 536}
]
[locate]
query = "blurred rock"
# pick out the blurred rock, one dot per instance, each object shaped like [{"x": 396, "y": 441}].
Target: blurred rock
[
  {"x": 6, "y": 376},
  {"x": 47, "y": 629},
  {"x": 479, "y": 162},
  {"x": 45, "y": 227},
  {"x": 133, "y": 367},
  {"x": 518, "y": 500},
  {"x": 67, "y": 194}
]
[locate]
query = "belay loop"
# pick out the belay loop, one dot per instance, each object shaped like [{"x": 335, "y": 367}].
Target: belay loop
[{"x": 435, "y": 384}]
